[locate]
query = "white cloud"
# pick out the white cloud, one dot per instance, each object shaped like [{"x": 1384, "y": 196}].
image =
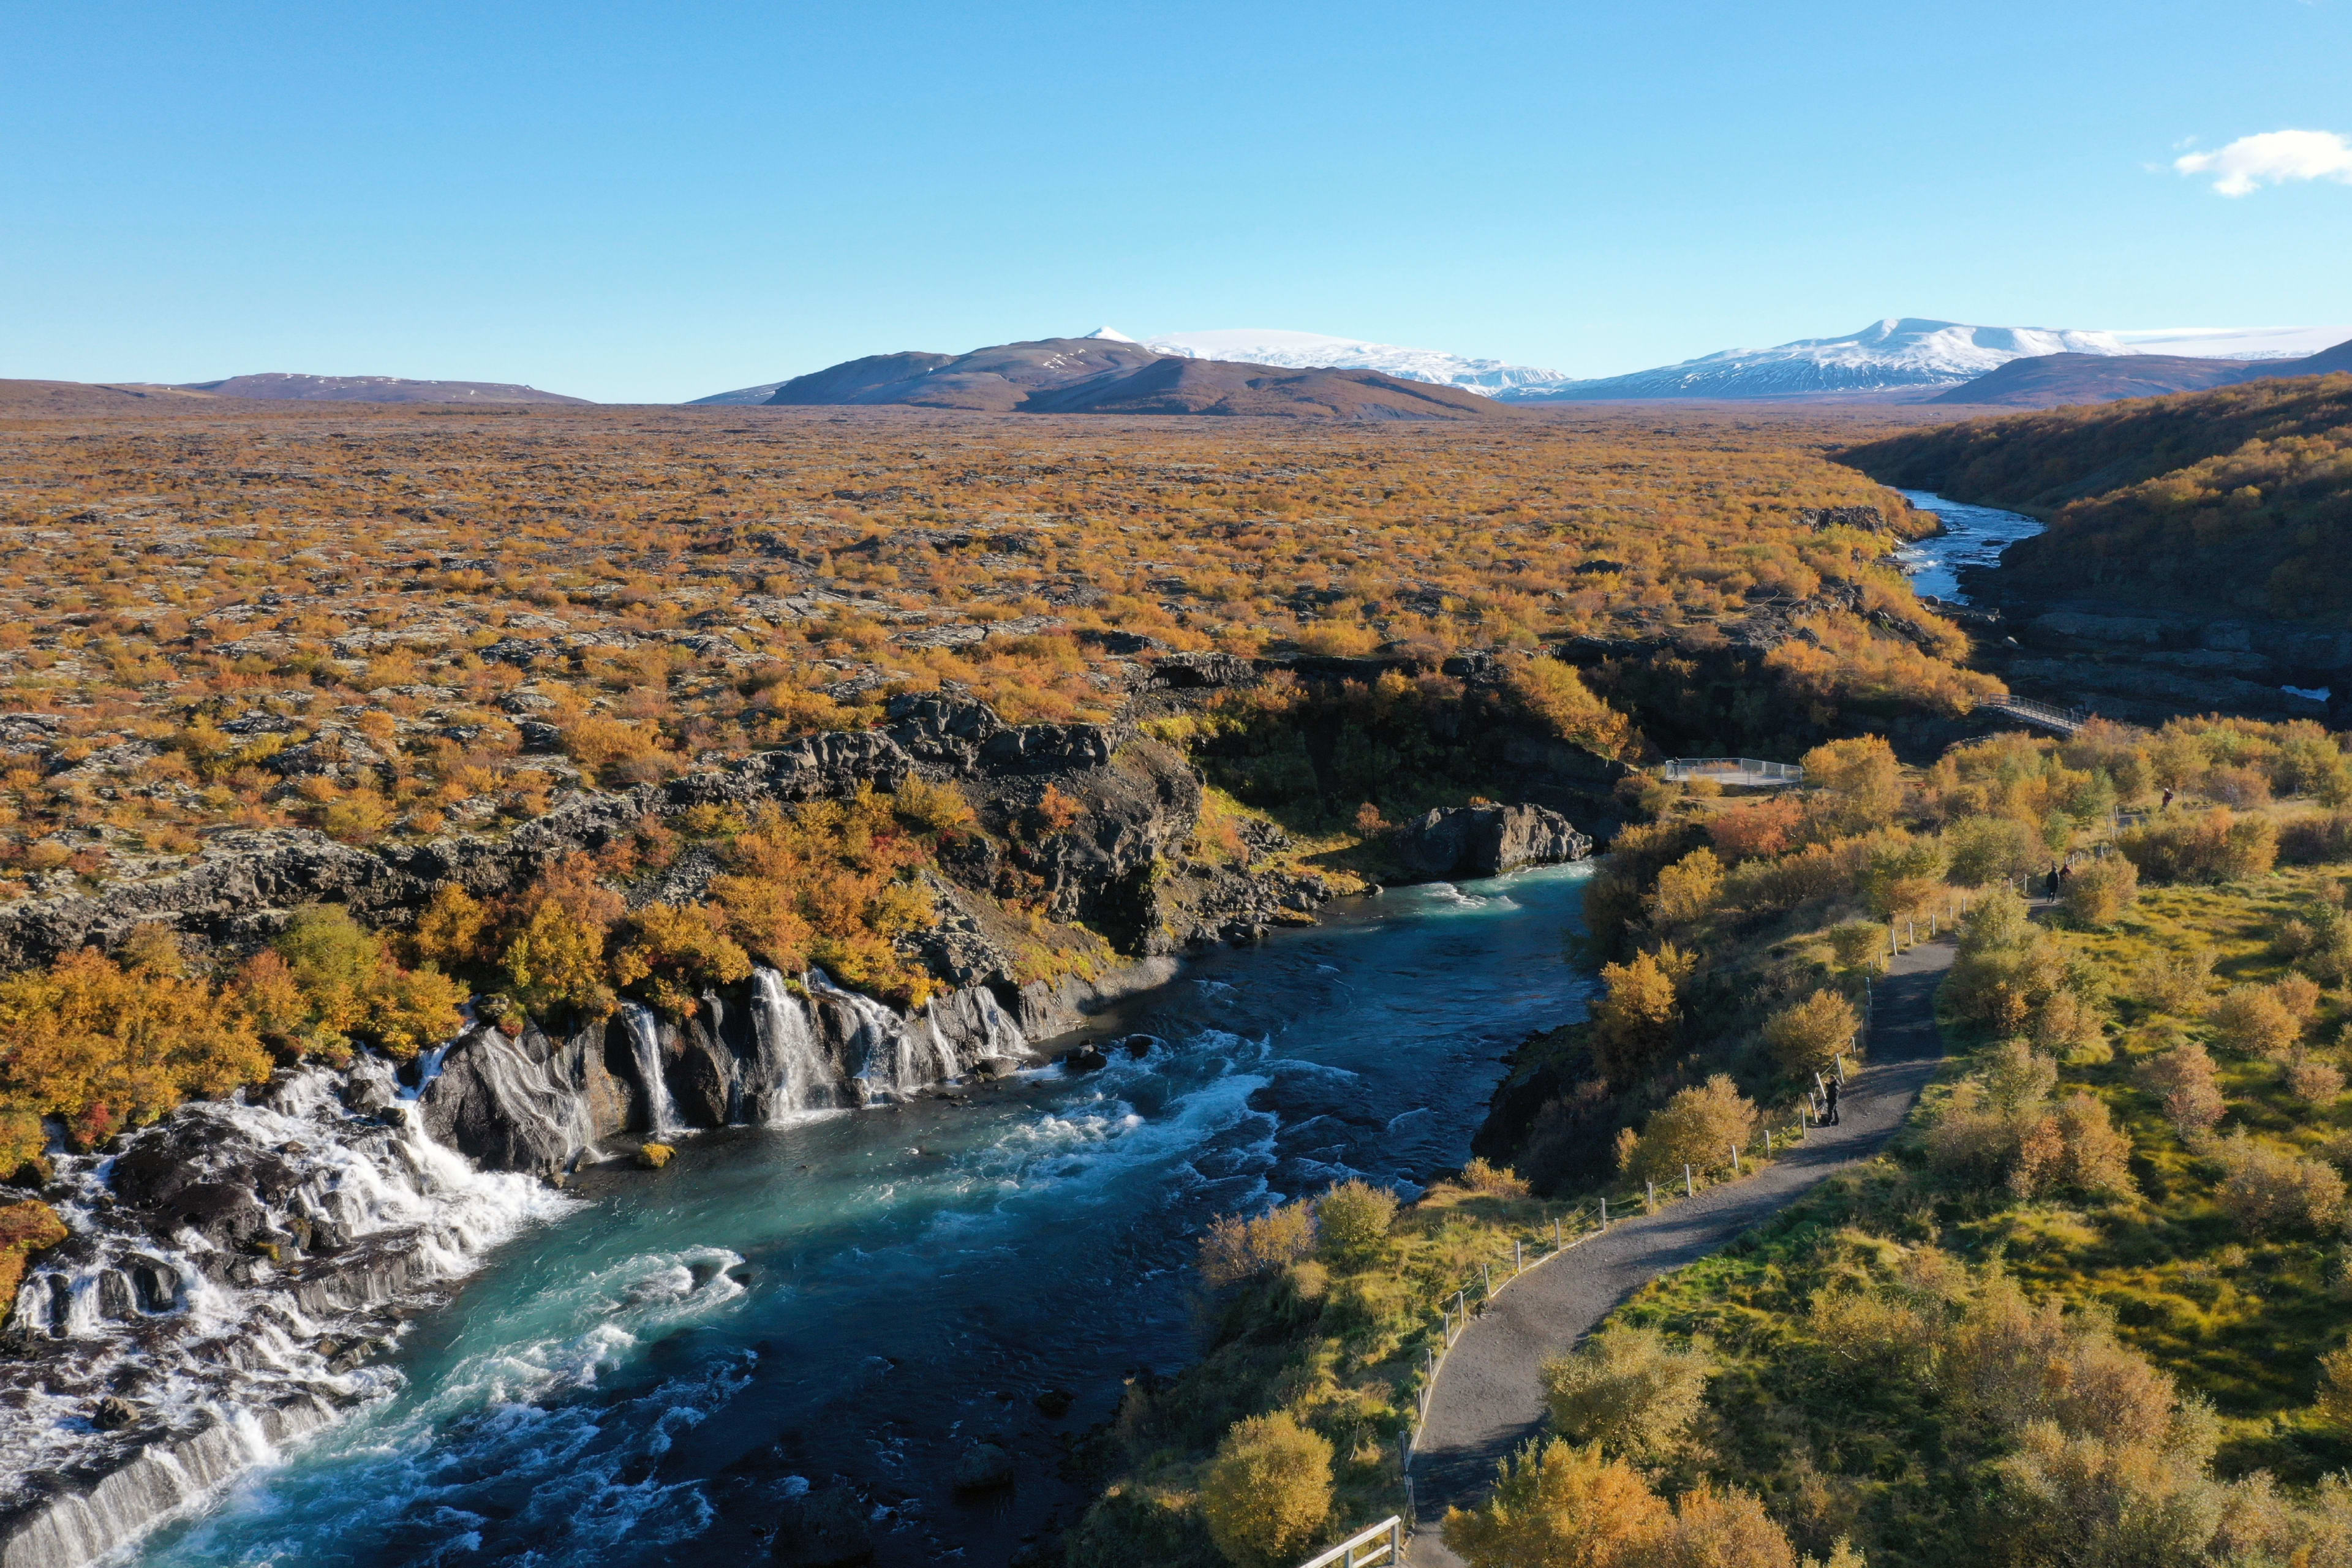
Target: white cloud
[{"x": 2272, "y": 158}]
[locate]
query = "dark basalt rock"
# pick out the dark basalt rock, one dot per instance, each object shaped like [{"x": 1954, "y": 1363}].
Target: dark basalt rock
[
  {"x": 983, "y": 1466},
  {"x": 527, "y": 1104},
  {"x": 1488, "y": 840},
  {"x": 827, "y": 1527}
]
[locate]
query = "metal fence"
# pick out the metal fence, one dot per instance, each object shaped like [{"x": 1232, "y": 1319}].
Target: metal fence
[
  {"x": 2066, "y": 720},
  {"x": 1734, "y": 771}
]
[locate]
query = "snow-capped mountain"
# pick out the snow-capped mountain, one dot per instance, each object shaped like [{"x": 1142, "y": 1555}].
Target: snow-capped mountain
[
  {"x": 1885, "y": 356},
  {"x": 2234, "y": 342},
  {"x": 1265, "y": 345}
]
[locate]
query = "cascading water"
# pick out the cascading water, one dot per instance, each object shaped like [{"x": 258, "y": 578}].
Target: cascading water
[
  {"x": 221, "y": 1352},
  {"x": 793, "y": 1071},
  {"x": 645, "y": 1038}
]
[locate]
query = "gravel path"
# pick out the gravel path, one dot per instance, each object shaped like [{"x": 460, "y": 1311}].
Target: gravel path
[{"x": 1488, "y": 1400}]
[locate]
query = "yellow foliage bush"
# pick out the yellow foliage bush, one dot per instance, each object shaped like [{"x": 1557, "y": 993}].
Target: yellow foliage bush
[
  {"x": 1808, "y": 1037},
  {"x": 1267, "y": 1492},
  {"x": 1698, "y": 1127},
  {"x": 1627, "y": 1390}
]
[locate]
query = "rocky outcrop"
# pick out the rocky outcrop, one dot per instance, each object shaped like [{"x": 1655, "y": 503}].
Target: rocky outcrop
[
  {"x": 2144, "y": 665},
  {"x": 1488, "y": 840},
  {"x": 531, "y": 1103}
]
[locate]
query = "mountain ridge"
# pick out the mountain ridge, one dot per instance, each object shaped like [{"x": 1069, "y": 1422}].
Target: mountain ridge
[
  {"x": 1118, "y": 375},
  {"x": 2058, "y": 381},
  {"x": 301, "y": 387}
]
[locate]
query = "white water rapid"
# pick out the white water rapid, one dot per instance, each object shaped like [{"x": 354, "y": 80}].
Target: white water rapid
[{"x": 222, "y": 1353}]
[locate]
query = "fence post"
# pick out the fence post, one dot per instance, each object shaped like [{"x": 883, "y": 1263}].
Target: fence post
[
  {"x": 1485, "y": 1283},
  {"x": 1604, "y": 1211},
  {"x": 1653, "y": 1197},
  {"x": 1556, "y": 1242},
  {"x": 1768, "y": 1140},
  {"x": 1688, "y": 1190},
  {"x": 1734, "y": 1159},
  {"x": 1518, "y": 1258}
]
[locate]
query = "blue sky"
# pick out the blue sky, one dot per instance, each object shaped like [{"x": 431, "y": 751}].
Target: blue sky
[{"x": 653, "y": 202}]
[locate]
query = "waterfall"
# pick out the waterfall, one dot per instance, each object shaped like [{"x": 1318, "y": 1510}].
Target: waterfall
[
  {"x": 645, "y": 1035},
  {"x": 228, "y": 1352},
  {"x": 793, "y": 1070},
  {"x": 825, "y": 1048}
]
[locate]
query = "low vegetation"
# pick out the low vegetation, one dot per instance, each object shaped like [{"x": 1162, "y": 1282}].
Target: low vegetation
[
  {"x": 2089, "y": 1312},
  {"x": 403, "y": 622}
]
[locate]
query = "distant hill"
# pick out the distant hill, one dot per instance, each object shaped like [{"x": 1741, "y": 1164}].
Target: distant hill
[
  {"x": 1892, "y": 356},
  {"x": 1112, "y": 375},
  {"x": 2052, "y": 381},
  {"x": 65, "y": 398},
  {"x": 278, "y": 385},
  {"x": 2232, "y": 502}
]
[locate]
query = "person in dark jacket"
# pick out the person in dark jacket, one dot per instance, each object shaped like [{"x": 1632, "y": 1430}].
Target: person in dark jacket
[{"x": 1831, "y": 1089}]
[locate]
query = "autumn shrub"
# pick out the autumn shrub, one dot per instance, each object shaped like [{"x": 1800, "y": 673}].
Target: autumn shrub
[
  {"x": 1808, "y": 1037},
  {"x": 1978, "y": 1132},
  {"x": 1267, "y": 1492},
  {"x": 2318, "y": 838},
  {"x": 1857, "y": 785},
  {"x": 672, "y": 954},
  {"x": 108, "y": 1049},
  {"x": 1698, "y": 1127},
  {"x": 553, "y": 967},
  {"x": 1492, "y": 1181},
  {"x": 2013, "y": 977},
  {"x": 831, "y": 883},
  {"x": 1769, "y": 825},
  {"x": 2101, "y": 892},
  {"x": 2175, "y": 979},
  {"x": 1627, "y": 1390},
  {"x": 1353, "y": 1219},
  {"x": 2268, "y": 1189},
  {"x": 1687, "y": 892},
  {"x": 26, "y": 1227},
  {"x": 2188, "y": 1088},
  {"x": 2075, "y": 1146},
  {"x": 2215, "y": 845},
  {"x": 2254, "y": 1021},
  {"x": 2318, "y": 942},
  {"x": 1638, "y": 1017},
  {"x": 2312, "y": 1079},
  {"x": 1238, "y": 1247},
  {"x": 1858, "y": 945},
  {"x": 1557, "y": 695},
  {"x": 1990, "y": 849},
  {"x": 1556, "y": 1504}
]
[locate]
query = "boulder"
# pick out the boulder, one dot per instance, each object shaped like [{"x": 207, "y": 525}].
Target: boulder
[
  {"x": 827, "y": 1527},
  {"x": 1488, "y": 840},
  {"x": 526, "y": 1104},
  {"x": 984, "y": 1467}
]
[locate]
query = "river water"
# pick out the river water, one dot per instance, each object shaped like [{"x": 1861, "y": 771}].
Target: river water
[
  {"x": 1972, "y": 536},
  {"x": 858, "y": 1296}
]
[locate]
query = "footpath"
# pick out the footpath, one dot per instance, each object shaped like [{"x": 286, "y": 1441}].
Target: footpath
[{"x": 1488, "y": 1398}]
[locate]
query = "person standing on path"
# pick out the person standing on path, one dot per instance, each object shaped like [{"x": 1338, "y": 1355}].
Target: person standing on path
[{"x": 1831, "y": 1088}]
